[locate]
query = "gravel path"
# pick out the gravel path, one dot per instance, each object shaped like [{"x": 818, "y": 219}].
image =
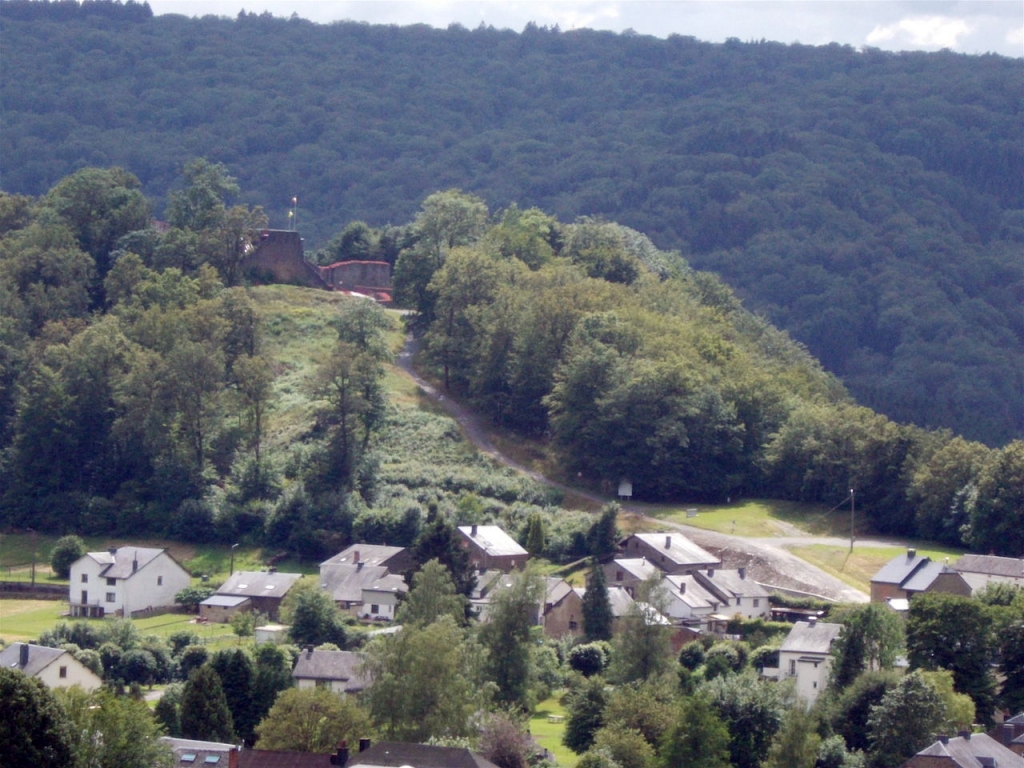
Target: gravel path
[{"x": 765, "y": 559}]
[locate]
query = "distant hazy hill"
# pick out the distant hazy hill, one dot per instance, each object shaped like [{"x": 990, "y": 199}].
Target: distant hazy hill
[{"x": 869, "y": 203}]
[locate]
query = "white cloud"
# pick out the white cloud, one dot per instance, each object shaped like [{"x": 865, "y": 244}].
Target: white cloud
[{"x": 922, "y": 32}]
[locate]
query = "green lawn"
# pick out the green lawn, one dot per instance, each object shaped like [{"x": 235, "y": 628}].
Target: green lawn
[
  {"x": 758, "y": 518},
  {"x": 549, "y": 734},
  {"x": 22, "y": 620},
  {"x": 856, "y": 569}
]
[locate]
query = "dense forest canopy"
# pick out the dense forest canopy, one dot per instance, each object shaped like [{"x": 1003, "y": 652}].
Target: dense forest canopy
[
  {"x": 869, "y": 203},
  {"x": 147, "y": 389}
]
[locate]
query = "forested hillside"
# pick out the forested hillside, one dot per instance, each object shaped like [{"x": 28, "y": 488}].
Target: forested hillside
[
  {"x": 146, "y": 389},
  {"x": 870, "y": 203}
]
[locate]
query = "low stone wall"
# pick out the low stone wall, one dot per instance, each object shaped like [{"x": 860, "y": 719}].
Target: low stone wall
[{"x": 26, "y": 590}]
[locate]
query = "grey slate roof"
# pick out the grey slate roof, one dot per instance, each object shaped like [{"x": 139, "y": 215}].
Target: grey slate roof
[
  {"x": 620, "y": 601},
  {"x": 680, "y": 550},
  {"x": 557, "y": 590},
  {"x": 225, "y": 601},
  {"x": 259, "y": 584},
  {"x": 393, "y": 754},
  {"x": 923, "y": 577},
  {"x": 493, "y": 540},
  {"x": 805, "y": 638},
  {"x": 729, "y": 583},
  {"x": 1009, "y": 567},
  {"x": 190, "y": 753},
  {"x": 390, "y": 583},
  {"x": 345, "y": 581},
  {"x": 638, "y": 567},
  {"x": 965, "y": 752},
  {"x": 124, "y": 561},
  {"x": 897, "y": 570},
  {"x": 340, "y": 666},
  {"x": 692, "y": 592},
  {"x": 371, "y": 554},
  {"x": 39, "y": 658}
]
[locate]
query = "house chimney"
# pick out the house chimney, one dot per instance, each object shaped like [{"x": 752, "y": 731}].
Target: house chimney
[
  {"x": 711, "y": 573},
  {"x": 364, "y": 744},
  {"x": 911, "y": 553},
  {"x": 340, "y": 758},
  {"x": 943, "y": 738},
  {"x": 682, "y": 588},
  {"x": 359, "y": 565},
  {"x": 135, "y": 562},
  {"x": 668, "y": 542},
  {"x": 355, "y": 556},
  {"x": 23, "y": 655},
  {"x": 812, "y": 621},
  {"x": 472, "y": 532},
  {"x": 743, "y": 572},
  {"x": 309, "y": 651},
  {"x": 965, "y": 735},
  {"x": 112, "y": 550}
]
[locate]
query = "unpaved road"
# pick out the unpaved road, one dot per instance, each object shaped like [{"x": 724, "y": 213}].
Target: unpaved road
[{"x": 765, "y": 559}]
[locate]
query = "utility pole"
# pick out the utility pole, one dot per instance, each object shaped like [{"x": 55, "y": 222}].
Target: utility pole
[
  {"x": 851, "y": 520},
  {"x": 232, "y": 559}
]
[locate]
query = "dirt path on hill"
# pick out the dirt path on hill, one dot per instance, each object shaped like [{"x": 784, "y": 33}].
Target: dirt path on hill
[{"x": 765, "y": 559}]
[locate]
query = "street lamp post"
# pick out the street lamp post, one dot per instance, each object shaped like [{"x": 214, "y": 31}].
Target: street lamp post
[{"x": 232, "y": 559}]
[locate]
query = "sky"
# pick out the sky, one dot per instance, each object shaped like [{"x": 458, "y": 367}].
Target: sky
[{"x": 964, "y": 26}]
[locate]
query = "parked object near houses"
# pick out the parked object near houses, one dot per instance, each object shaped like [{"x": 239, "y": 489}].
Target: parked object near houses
[
  {"x": 54, "y": 667},
  {"x": 124, "y": 580}
]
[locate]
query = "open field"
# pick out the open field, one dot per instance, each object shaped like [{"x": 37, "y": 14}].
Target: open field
[
  {"x": 856, "y": 569},
  {"x": 548, "y": 733},
  {"x": 759, "y": 518}
]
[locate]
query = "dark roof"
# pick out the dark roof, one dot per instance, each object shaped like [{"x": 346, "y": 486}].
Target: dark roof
[
  {"x": 345, "y": 581},
  {"x": 371, "y": 554},
  {"x": 925, "y": 576},
  {"x": 1010, "y": 567},
  {"x": 343, "y": 666},
  {"x": 393, "y": 754},
  {"x": 259, "y": 584},
  {"x": 189, "y": 753},
  {"x": 900, "y": 568},
  {"x": 264, "y": 758},
  {"x": 965, "y": 751},
  {"x": 225, "y": 601},
  {"x": 39, "y": 657}
]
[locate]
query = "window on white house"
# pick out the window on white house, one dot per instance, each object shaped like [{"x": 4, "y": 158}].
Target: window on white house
[
  {"x": 792, "y": 667},
  {"x": 159, "y": 581},
  {"x": 111, "y": 597},
  {"x": 111, "y": 582},
  {"x": 85, "y": 578},
  {"x": 63, "y": 671},
  {"x": 572, "y": 625},
  {"x": 757, "y": 602},
  {"x": 374, "y": 608},
  {"x": 739, "y": 601}
]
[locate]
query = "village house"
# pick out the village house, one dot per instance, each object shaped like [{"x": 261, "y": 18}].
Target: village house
[
  {"x": 380, "y": 599},
  {"x": 688, "y": 601},
  {"x": 490, "y": 547},
  {"x": 967, "y": 750},
  {"x": 53, "y": 667},
  {"x": 739, "y": 595},
  {"x": 345, "y": 582},
  {"x": 393, "y": 754},
  {"x": 629, "y": 573},
  {"x": 1011, "y": 734},
  {"x": 123, "y": 581},
  {"x": 338, "y": 671},
  {"x": 563, "y": 609},
  {"x": 910, "y": 573},
  {"x": 260, "y": 591},
  {"x": 396, "y": 559},
  {"x": 981, "y": 570},
  {"x": 208, "y": 754},
  {"x": 671, "y": 552},
  {"x": 805, "y": 655}
]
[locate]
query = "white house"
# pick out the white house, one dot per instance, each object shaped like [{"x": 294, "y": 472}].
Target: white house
[
  {"x": 806, "y": 656},
  {"x": 738, "y": 594},
  {"x": 54, "y": 667},
  {"x": 687, "y": 601},
  {"x": 380, "y": 598},
  {"x": 124, "y": 580}
]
